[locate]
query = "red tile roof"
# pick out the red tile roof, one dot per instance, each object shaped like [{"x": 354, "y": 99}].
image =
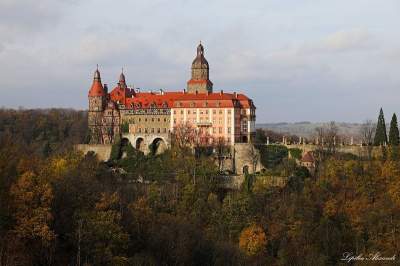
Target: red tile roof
[
  {"x": 96, "y": 89},
  {"x": 308, "y": 158},
  {"x": 179, "y": 99}
]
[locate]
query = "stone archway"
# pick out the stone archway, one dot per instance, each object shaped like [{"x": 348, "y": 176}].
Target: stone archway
[
  {"x": 158, "y": 146},
  {"x": 140, "y": 145},
  {"x": 245, "y": 170},
  {"x": 124, "y": 145}
]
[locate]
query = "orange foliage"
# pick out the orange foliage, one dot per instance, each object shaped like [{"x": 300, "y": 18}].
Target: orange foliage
[{"x": 252, "y": 240}]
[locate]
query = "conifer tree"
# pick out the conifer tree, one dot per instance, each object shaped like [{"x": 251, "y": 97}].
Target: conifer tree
[
  {"x": 394, "y": 132},
  {"x": 380, "y": 134}
]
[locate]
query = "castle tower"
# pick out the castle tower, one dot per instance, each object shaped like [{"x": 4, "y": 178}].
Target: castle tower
[
  {"x": 122, "y": 82},
  {"x": 200, "y": 81},
  {"x": 97, "y": 101}
]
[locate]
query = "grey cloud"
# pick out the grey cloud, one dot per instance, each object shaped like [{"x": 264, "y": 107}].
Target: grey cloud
[{"x": 22, "y": 19}]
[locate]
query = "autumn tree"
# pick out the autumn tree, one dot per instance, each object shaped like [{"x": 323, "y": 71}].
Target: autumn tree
[
  {"x": 252, "y": 240},
  {"x": 99, "y": 234},
  {"x": 32, "y": 199}
]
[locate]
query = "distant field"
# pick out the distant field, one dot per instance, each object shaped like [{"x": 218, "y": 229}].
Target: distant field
[{"x": 307, "y": 129}]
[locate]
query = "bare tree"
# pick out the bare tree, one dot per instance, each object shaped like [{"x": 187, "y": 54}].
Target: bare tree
[
  {"x": 184, "y": 135},
  {"x": 367, "y": 135},
  {"x": 326, "y": 141},
  {"x": 254, "y": 156},
  {"x": 331, "y": 137},
  {"x": 220, "y": 151}
]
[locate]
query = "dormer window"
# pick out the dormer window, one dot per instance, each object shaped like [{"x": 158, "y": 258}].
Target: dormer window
[{"x": 192, "y": 104}]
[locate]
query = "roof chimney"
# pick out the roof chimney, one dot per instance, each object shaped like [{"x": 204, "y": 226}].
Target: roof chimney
[
  {"x": 235, "y": 94},
  {"x": 222, "y": 92}
]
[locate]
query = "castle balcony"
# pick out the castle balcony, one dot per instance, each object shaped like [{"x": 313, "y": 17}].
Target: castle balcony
[{"x": 204, "y": 124}]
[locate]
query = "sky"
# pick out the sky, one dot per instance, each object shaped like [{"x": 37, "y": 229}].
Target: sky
[{"x": 299, "y": 60}]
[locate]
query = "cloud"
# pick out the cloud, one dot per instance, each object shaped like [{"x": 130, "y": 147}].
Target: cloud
[
  {"x": 342, "y": 42},
  {"x": 21, "y": 20}
]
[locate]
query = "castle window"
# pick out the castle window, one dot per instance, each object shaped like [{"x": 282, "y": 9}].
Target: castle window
[
  {"x": 220, "y": 130},
  {"x": 158, "y": 119},
  {"x": 140, "y": 119},
  {"x": 158, "y": 130},
  {"x": 165, "y": 130},
  {"x": 152, "y": 130},
  {"x": 220, "y": 112},
  {"x": 194, "y": 112},
  {"x": 188, "y": 112},
  {"x": 174, "y": 112},
  {"x": 229, "y": 129},
  {"x": 139, "y": 130},
  {"x": 181, "y": 112},
  {"x": 145, "y": 130},
  {"x": 229, "y": 111},
  {"x": 214, "y": 111},
  {"x": 145, "y": 120},
  {"x": 206, "y": 112},
  {"x": 152, "y": 120},
  {"x": 165, "y": 120}
]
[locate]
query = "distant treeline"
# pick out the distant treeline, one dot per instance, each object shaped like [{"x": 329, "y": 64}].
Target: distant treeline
[{"x": 43, "y": 131}]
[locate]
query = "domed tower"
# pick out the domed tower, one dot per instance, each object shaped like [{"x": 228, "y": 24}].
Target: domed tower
[
  {"x": 200, "y": 81},
  {"x": 97, "y": 101}
]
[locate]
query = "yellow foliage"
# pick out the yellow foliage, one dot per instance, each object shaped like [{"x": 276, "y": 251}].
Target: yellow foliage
[
  {"x": 107, "y": 201},
  {"x": 58, "y": 166},
  {"x": 394, "y": 192},
  {"x": 391, "y": 169},
  {"x": 331, "y": 208},
  {"x": 252, "y": 240},
  {"x": 32, "y": 198}
]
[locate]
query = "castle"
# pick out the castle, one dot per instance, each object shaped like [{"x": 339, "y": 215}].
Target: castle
[{"x": 146, "y": 118}]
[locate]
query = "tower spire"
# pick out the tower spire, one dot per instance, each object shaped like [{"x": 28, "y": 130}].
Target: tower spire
[
  {"x": 122, "y": 82},
  {"x": 200, "y": 81}
]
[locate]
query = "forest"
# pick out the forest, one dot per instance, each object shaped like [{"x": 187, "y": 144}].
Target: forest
[{"x": 60, "y": 207}]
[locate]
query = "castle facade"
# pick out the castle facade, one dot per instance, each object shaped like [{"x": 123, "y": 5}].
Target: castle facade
[{"x": 145, "y": 117}]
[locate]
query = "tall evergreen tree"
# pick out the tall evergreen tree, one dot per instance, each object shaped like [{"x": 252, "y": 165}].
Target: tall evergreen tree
[
  {"x": 394, "y": 132},
  {"x": 380, "y": 134}
]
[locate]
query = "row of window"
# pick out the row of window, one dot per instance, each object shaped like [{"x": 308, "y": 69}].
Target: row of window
[
  {"x": 147, "y": 119},
  {"x": 203, "y": 112},
  {"x": 152, "y": 130}
]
